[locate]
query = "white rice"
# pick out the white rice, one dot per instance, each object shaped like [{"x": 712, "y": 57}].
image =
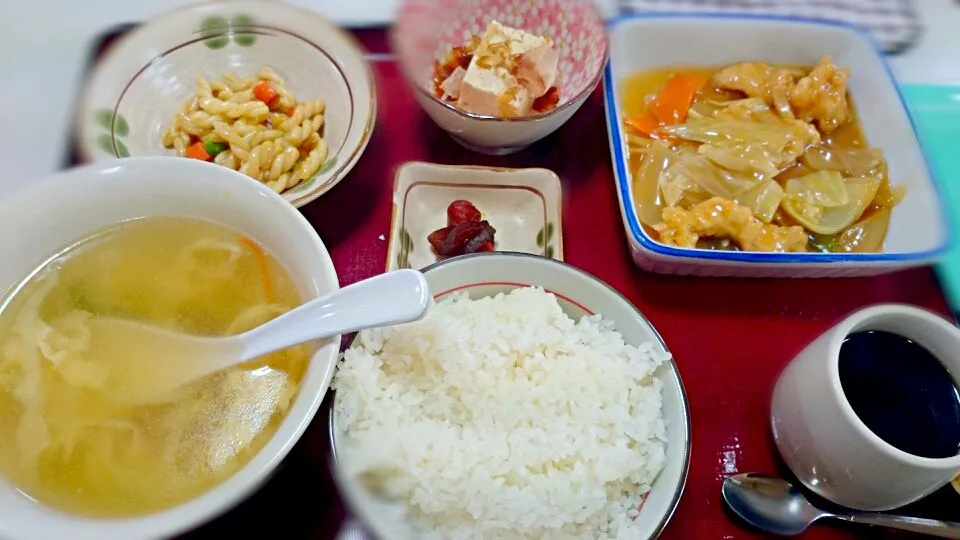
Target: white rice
[{"x": 503, "y": 418}]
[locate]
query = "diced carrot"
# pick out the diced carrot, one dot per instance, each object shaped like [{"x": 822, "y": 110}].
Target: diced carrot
[
  {"x": 643, "y": 124},
  {"x": 291, "y": 110},
  {"x": 262, "y": 262},
  {"x": 197, "y": 151},
  {"x": 675, "y": 98},
  {"x": 264, "y": 92}
]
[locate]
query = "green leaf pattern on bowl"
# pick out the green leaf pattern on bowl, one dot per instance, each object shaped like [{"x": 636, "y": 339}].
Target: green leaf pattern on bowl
[
  {"x": 406, "y": 248},
  {"x": 104, "y": 118},
  {"x": 242, "y": 24},
  {"x": 544, "y": 239},
  {"x": 218, "y": 31},
  {"x": 214, "y": 29},
  {"x": 327, "y": 166},
  {"x": 308, "y": 184},
  {"x": 120, "y": 128},
  {"x": 112, "y": 146}
]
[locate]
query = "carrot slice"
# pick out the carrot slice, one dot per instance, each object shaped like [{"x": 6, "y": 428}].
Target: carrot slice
[
  {"x": 264, "y": 92},
  {"x": 197, "y": 151},
  {"x": 675, "y": 98},
  {"x": 647, "y": 126},
  {"x": 643, "y": 124},
  {"x": 262, "y": 262}
]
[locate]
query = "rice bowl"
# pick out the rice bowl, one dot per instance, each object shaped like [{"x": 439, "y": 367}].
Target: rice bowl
[{"x": 511, "y": 411}]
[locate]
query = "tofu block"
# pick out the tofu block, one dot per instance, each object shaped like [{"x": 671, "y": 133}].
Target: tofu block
[
  {"x": 452, "y": 84},
  {"x": 537, "y": 69},
  {"x": 509, "y": 70}
]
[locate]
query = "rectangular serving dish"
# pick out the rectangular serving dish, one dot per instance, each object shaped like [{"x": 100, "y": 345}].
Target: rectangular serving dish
[
  {"x": 918, "y": 233},
  {"x": 522, "y": 204}
]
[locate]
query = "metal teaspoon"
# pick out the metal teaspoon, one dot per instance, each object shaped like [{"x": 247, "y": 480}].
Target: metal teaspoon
[{"x": 776, "y": 506}]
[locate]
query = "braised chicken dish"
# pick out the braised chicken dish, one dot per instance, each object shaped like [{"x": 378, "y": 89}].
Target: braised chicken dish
[{"x": 755, "y": 157}]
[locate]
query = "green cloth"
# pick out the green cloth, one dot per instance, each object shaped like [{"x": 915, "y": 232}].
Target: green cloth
[{"x": 936, "y": 113}]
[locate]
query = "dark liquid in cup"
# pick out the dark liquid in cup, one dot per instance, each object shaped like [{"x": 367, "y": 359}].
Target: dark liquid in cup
[{"x": 902, "y": 393}]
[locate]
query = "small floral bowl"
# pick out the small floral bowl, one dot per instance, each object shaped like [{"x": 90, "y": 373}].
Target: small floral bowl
[
  {"x": 142, "y": 82},
  {"x": 427, "y": 30}
]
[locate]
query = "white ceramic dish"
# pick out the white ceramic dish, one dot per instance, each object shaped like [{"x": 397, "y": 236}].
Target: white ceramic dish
[
  {"x": 486, "y": 274},
  {"x": 918, "y": 231},
  {"x": 87, "y": 199},
  {"x": 427, "y": 30},
  {"x": 134, "y": 92},
  {"x": 522, "y": 204}
]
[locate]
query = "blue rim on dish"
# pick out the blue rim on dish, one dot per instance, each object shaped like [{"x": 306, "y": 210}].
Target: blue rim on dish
[{"x": 614, "y": 129}]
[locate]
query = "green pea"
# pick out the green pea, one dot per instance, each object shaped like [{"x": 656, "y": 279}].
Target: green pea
[{"x": 213, "y": 148}]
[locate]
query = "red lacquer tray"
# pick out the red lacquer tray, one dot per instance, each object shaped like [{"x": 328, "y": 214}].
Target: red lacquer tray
[{"x": 730, "y": 337}]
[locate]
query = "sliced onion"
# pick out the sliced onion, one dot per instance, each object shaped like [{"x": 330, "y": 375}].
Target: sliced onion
[
  {"x": 861, "y": 192},
  {"x": 746, "y": 158},
  {"x": 889, "y": 195},
  {"x": 743, "y": 109},
  {"x": 646, "y": 183},
  {"x": 703, "y": 109},
  {"x": 675, "y": 187},
  {"x": 866, "y": 235},
  {"x": 782, "y": 141},
  {"x": 849, "y": 161},
  {"x": 764, "y": 199},
  {"x": 824, "y": 188},
  {"x": 781, "y": 103},
  {"x": 638, "y": 142},
  {"x": 710, "y": 178},
  {"x": 774, "y": 137},
  {"x": 881, "y": 171}
]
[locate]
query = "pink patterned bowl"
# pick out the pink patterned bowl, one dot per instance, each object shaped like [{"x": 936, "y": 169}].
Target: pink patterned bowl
[{"x": 426, "y": 30}]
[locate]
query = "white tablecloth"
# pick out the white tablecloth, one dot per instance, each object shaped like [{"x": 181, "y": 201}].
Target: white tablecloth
[{"x": 44, "y": 43}]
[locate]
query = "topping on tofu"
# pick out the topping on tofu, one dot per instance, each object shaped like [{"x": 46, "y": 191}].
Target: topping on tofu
[{"x": 508, "y": 71}]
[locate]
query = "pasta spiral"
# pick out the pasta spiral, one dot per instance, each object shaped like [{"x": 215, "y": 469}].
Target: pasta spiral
[{"x": 253, "y": 125}]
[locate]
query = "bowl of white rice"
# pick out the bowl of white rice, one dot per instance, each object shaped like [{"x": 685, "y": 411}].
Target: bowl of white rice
[{"x": 533, "y": 401}]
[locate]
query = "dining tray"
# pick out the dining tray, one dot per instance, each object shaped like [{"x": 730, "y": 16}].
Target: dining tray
[{"x": 730, "y": 337}]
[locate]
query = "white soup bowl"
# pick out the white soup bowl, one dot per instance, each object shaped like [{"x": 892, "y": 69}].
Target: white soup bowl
[{"x": 54, "y": 214}]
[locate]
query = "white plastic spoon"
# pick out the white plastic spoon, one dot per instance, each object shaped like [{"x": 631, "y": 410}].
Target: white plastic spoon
[{"x": 147, "y": 363}]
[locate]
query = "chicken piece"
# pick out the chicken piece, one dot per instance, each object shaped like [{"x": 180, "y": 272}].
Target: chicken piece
[
  {"x": 723, "y": 218},
  {"x": 759, "y": 80},
  {"x": 821, "y": 97},
  {"x": 804, "y": 136}
]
